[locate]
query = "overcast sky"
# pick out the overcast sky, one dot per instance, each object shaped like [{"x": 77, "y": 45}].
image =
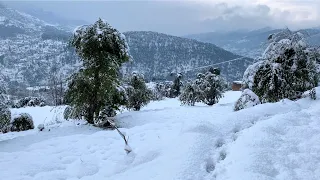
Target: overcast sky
[{"x": 187, "y": 17}]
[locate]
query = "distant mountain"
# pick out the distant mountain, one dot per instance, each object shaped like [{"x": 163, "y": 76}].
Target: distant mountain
[
  {"x": 51, "y": 18},
  {"x": 249, "y": 43},
  {"x": 46, "y": 16},
  {"x": 31, "y": 49},
  {"x": 157, "y": 55}
]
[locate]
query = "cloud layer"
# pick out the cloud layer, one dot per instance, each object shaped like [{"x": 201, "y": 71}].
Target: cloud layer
[{"x": 186, "y": 17}]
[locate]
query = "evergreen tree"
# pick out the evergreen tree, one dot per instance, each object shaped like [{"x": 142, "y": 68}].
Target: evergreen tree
[
  {"x": 176, "y": 87},
  {"x": 5, "y": 117},
  {"x": 211, "y": 85},
  {"x": 102, "y": 50},
  {"x": 3, "y": 91},
  {"x": 5, "y": 113},
  {"x": 190, "y": 94},
  {"x": 137, "y": 92},
  {"x": 215, "y": 71},
  {"x": 286, "y": 69},
  {"x": 164, "y": 88}
]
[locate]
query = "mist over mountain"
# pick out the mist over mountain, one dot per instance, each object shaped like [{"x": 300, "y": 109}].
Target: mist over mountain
[
  {"x": 250, "y": 43},
  {"x": 46, "y": 16}
]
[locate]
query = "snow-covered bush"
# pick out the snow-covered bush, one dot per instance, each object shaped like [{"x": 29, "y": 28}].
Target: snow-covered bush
[
  {"x": 71, "y": 113},
  {"x": 137, "y": 92},
  {"x": 246, "y": 100},
  {"x": 41, "y": 127},
  {"x": 29, "y": 101},
  {"x": 312, "y": 94},
  {"x": 164, "y": 89},
  {"x": 5, "y": 117},
  {"x": 176, "y": 86},
  {"x": 211, "y": 87},
  {"x": 22, "y": 122},
  {"x": 207, "y": 88},
  {"x": 105, "y": 117},
  {"x": 190, "y": 94},
  {"x": 156, "y": 95},
  {"x": 108, "y": 112},
  {"x": 286, "y": 69}
]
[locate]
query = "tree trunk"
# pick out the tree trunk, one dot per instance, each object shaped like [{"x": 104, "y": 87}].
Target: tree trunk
[{"x": 90, "y": 116}]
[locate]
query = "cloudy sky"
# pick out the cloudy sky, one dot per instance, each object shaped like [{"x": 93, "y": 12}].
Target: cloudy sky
[{"x": 187, "y": 17}]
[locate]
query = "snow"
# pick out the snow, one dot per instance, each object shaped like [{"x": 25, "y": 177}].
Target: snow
[
  {"x": 238, "y": 82},
  {"x": 247, "y": 99},
  {"x": 169, "y": 141},
  {"x": 37, "y": 88},
  {"x": 46, "y": 115},
  {"x": 2, "y": 19}
]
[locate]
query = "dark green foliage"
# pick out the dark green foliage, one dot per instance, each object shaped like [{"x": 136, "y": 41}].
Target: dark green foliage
[
  {"x": 3, "y": 91},
  {"x": 211, "y": 87},
  {"x": 105, "y": 117},
  {"x": 10, "y": 31},
  {"x": 176, "y": 87},
  {"x": 190, "y": 94},
  {"x": 51, "y": 32},
  {"x": 215, "y": 71},
  {"x": 102, "y": 50},
  {"x": 312, "y": 94},
  {"x": 164, "y": 88},
  {"x": 286, "y": 70},
  {"x": 207, "y": 88},
  {"x": 72, "y": 113},
  {"x": 138, "y": 93},
  {"x": 278, "y": 80},
  {"x": 5, "y": 117},
  {"x": 22, "y": 122},
  {"x": 30, "y": 101},
  {"x": 156, "y": 95}
]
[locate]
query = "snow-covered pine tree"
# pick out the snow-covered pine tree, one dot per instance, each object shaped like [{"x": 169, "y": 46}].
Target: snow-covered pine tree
[
  {"x": 102, "y": 50},
  {"x": 137, "y": 92},
  {"x": 211, "y": 86},
  {"x": 5, "y": 113},
  {"x": 164, "y": 88},
  {"x": 3, "y": 91},
  {"x": 286, "y": 69},
  {"x": 5, "y": 117},
  {"x": 176, "y": 87},
  {"x": 190, "y": 94}
]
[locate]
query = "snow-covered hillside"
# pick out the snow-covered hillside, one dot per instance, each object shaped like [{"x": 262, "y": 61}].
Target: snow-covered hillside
[
  {"x": 169, "y": 141},
  {"x": 157, "y": 55},
  {"x": 32, "y": 50}
]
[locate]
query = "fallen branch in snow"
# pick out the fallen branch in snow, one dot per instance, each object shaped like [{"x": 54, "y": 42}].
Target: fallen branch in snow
[{"x": 127, "y": 148}]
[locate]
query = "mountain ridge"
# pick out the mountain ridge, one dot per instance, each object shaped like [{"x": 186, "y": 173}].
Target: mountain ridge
[
  {"x": 30, "y": 58},
  {"x": 250, "y": 43},
  {"x": 146, "y": 46}
]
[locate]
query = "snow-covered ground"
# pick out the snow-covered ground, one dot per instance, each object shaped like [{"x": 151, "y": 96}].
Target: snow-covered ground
[{"x": 169, "y": 141}]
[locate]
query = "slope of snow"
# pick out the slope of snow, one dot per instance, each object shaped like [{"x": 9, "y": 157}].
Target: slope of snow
[
  {"x": 42, "y": 115},
  {"x": 169, "y": 141}
]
